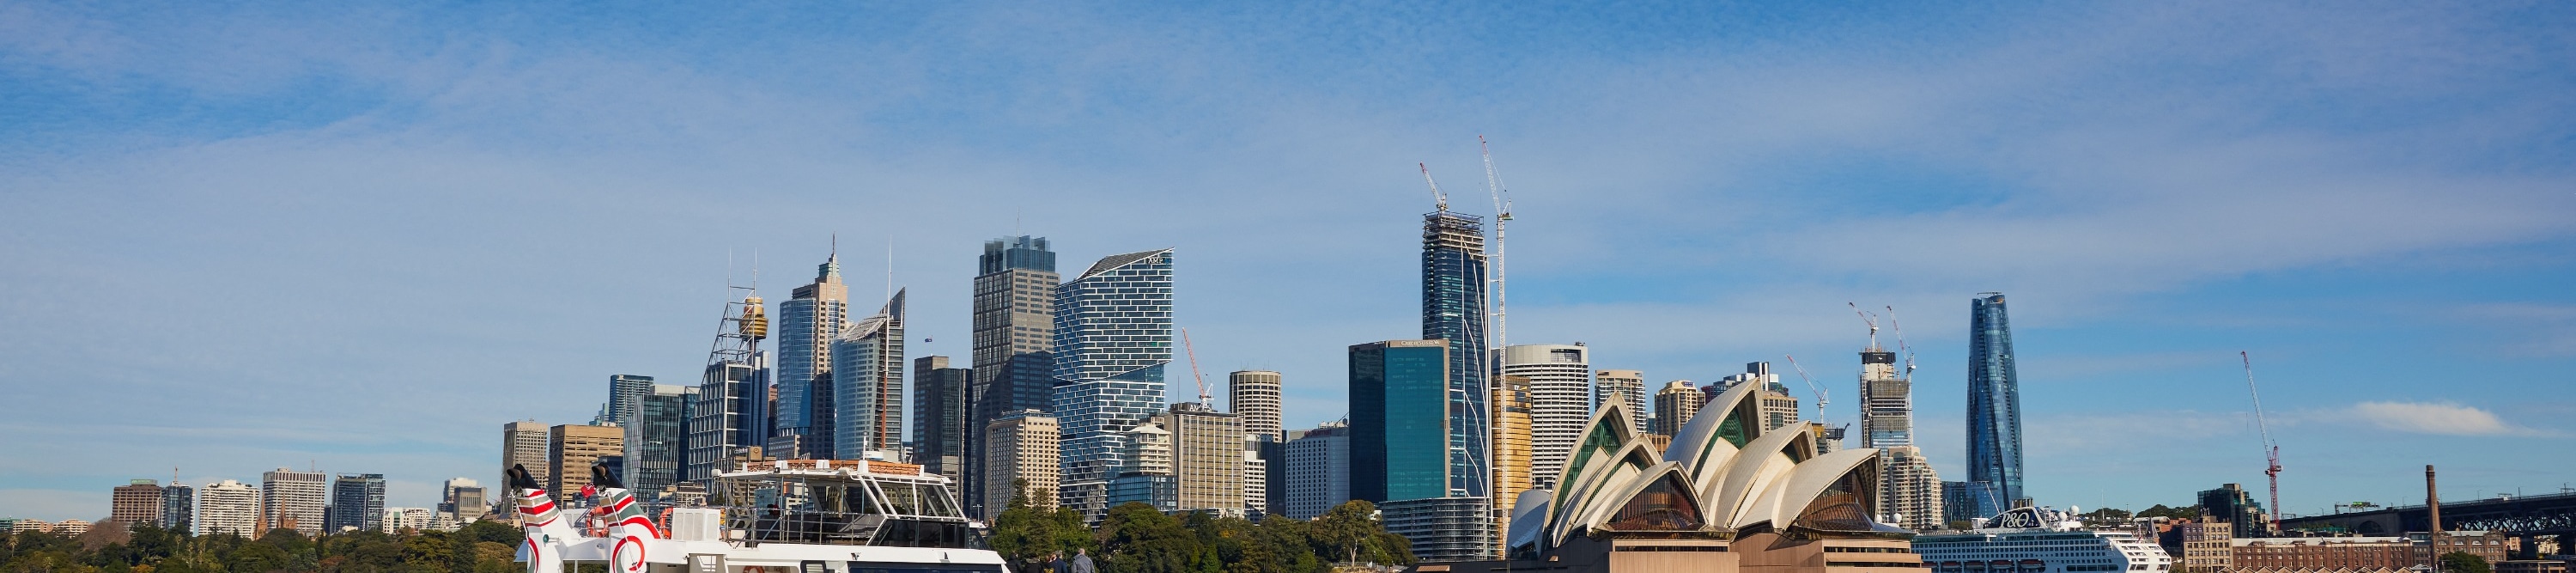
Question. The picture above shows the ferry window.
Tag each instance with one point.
(901, 499)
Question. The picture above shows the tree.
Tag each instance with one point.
(2464, 562)
(1138, 538)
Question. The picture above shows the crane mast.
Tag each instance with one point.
(2271, 449)
(1900, 341)
(1502, 215)
(1436, 195)
(1865, 318)
(1822, 397)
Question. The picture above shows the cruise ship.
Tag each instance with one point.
(2038, 540)
(788, 516)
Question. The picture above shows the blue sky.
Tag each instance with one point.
(363, 236)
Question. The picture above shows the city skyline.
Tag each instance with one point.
(2141, 251)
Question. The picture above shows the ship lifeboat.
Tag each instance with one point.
(1999, 566)
(2033, 566)
(1974, 567)
(1947, 567)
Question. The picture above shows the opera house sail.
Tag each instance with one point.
(1727, 495)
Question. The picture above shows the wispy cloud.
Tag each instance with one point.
(2437, 418)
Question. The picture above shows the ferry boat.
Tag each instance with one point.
(2039, 540)
(787, 516)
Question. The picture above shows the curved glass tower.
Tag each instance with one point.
(1453, 309)
(1994, 408)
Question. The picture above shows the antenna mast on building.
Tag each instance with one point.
(1502, 215)
(1204, 398)
(1436, 195)
(2271, 449)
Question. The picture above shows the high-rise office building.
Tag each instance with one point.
(1254, 395)
(807, 323)
(623, 391)
(1019, 459)
(1627, 387)
(1147, 475)
(730, 415)
(2232, 504)
(295, 500)
(1886, 401)
(1778, 408)
(229, 507)
(1994, 402)
(1910, 491)
(1401, 435)
(1014, 347)
(1674, 406)
(1511, 447)
(523, 443)
(570, 451)
(1453, 309)
(1322, 457)
(939, 416)
(1560, 378)
(1113, 338)
(357, 503)
(867, 385)
(178, 507)
(136, 502)
(1207, 457)
(657, 439)
(462, 498)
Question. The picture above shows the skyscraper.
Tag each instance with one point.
(657, 439)
(1560, 378)
(1207, 457)
(939, 416)
(807, 323)
(1401, 424)
(1323, 480)
(1623, 387)
(1020, 451)
(1146, 474)
(1994, 403)
(178, 507)
(523, 443)
(731, 410)
(623, 391)
(1014, 342)
(1909, 489)
(1453, 309)
(571, 449)
(1511, 447)
(1113, 337)
(294, 499)
(137, 502)
(229, 507)
(462, 498)
(1674, 406)
(357, 502)
(1254, 395)
(867, 384)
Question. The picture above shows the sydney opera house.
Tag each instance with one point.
(1726, 496)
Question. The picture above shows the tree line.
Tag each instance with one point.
(1137, 538)
(114, 547)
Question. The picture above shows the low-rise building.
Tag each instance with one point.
(2203, 546)
(2285, 554)
(71, 528)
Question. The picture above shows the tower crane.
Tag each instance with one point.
(1502, 215)
(1436, 195)
(1900, 342)
(1204, 399)
(2271, 449)
(1865, 318)
(1822, 397)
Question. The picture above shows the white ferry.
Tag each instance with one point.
(789, 516)
(2038, 540)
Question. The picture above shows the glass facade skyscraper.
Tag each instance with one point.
(867, 384)
(657, 438)
(1113, 337)
(1014, 343)
(1994, 405)
(1453, 309)
(807, 323)
(623, 390)
(939, 416)
(731, 411)
(357, 500)
(1401, 422)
